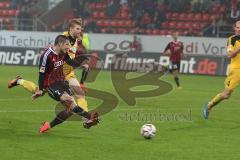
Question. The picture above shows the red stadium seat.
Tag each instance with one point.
(205, 17)
(172, 24)
(168, 15)
(182, 16)
(92, 5)
(195, 26)
(113, 23)
(102, 14)
(124, 14)
(198, 16)
(127, 23)
(100, 23)
(122, 30)
(148, 31)
(106, 23)
(6, 5)
(98, 6)
(86, 21)
(185, 33)
(163, 32)
(1, 5)
(202, 25)
(133, 31)
(103, 30)
(118, 15)
(187, 25)
(155, 32)
(133, 23)
(164, 25)
(215, 10)
(120, 23)
(180, 25)
(169, 32)
(213, 16)
(222, 9)
(180, 32)
(141, 31)
(4, 12)
(174, 16)
(95, 14)
(190, 17)
(7, 20)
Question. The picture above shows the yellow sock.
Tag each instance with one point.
(214, 101)
(28, 85)
(82, 103)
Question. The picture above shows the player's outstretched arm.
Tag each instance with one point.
(37, 94)
(76, 62)
(232, 53)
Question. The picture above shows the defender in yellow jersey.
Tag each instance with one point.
(233, 77)
(79, 43)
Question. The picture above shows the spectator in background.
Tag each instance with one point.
(212, 29)
(158, 18)
(222, 21)
(91, 26)
(191, 32)
(24, 20)
(136, 46)
(162, 5)
(175, 5)
(150, 7)
(123, 2)
(235, 13)
(112, 8)
(14, 4)
(145, 20)
(86, 10)
(64, 25)
(206, 5)
(195, 6)
(136, 8)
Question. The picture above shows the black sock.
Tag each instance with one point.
(84, 75)
(61, 117)
(78, 110)
(177, 81)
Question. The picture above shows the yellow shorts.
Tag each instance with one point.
(71, 75)
(68, 71)
(233, 79)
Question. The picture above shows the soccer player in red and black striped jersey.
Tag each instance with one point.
(174, 50)
(52, 79)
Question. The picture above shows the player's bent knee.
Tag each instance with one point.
(77, 90)
(226, 95)
(66, 99)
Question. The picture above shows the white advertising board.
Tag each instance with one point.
(111, 42)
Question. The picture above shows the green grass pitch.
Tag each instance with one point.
(116, 138)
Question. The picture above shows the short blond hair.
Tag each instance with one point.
(75, 21)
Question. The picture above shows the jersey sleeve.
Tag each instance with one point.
(167, 47)
(43, 67)
(86, 41)
(230, 44)
(182, 47)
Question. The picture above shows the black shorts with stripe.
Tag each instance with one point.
(174, 66)
(57, 89)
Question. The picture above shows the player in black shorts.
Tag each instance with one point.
(174, 50)
(52, 80)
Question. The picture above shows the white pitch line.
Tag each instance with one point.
(14, 99)
(26, 111)
(116, 110)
